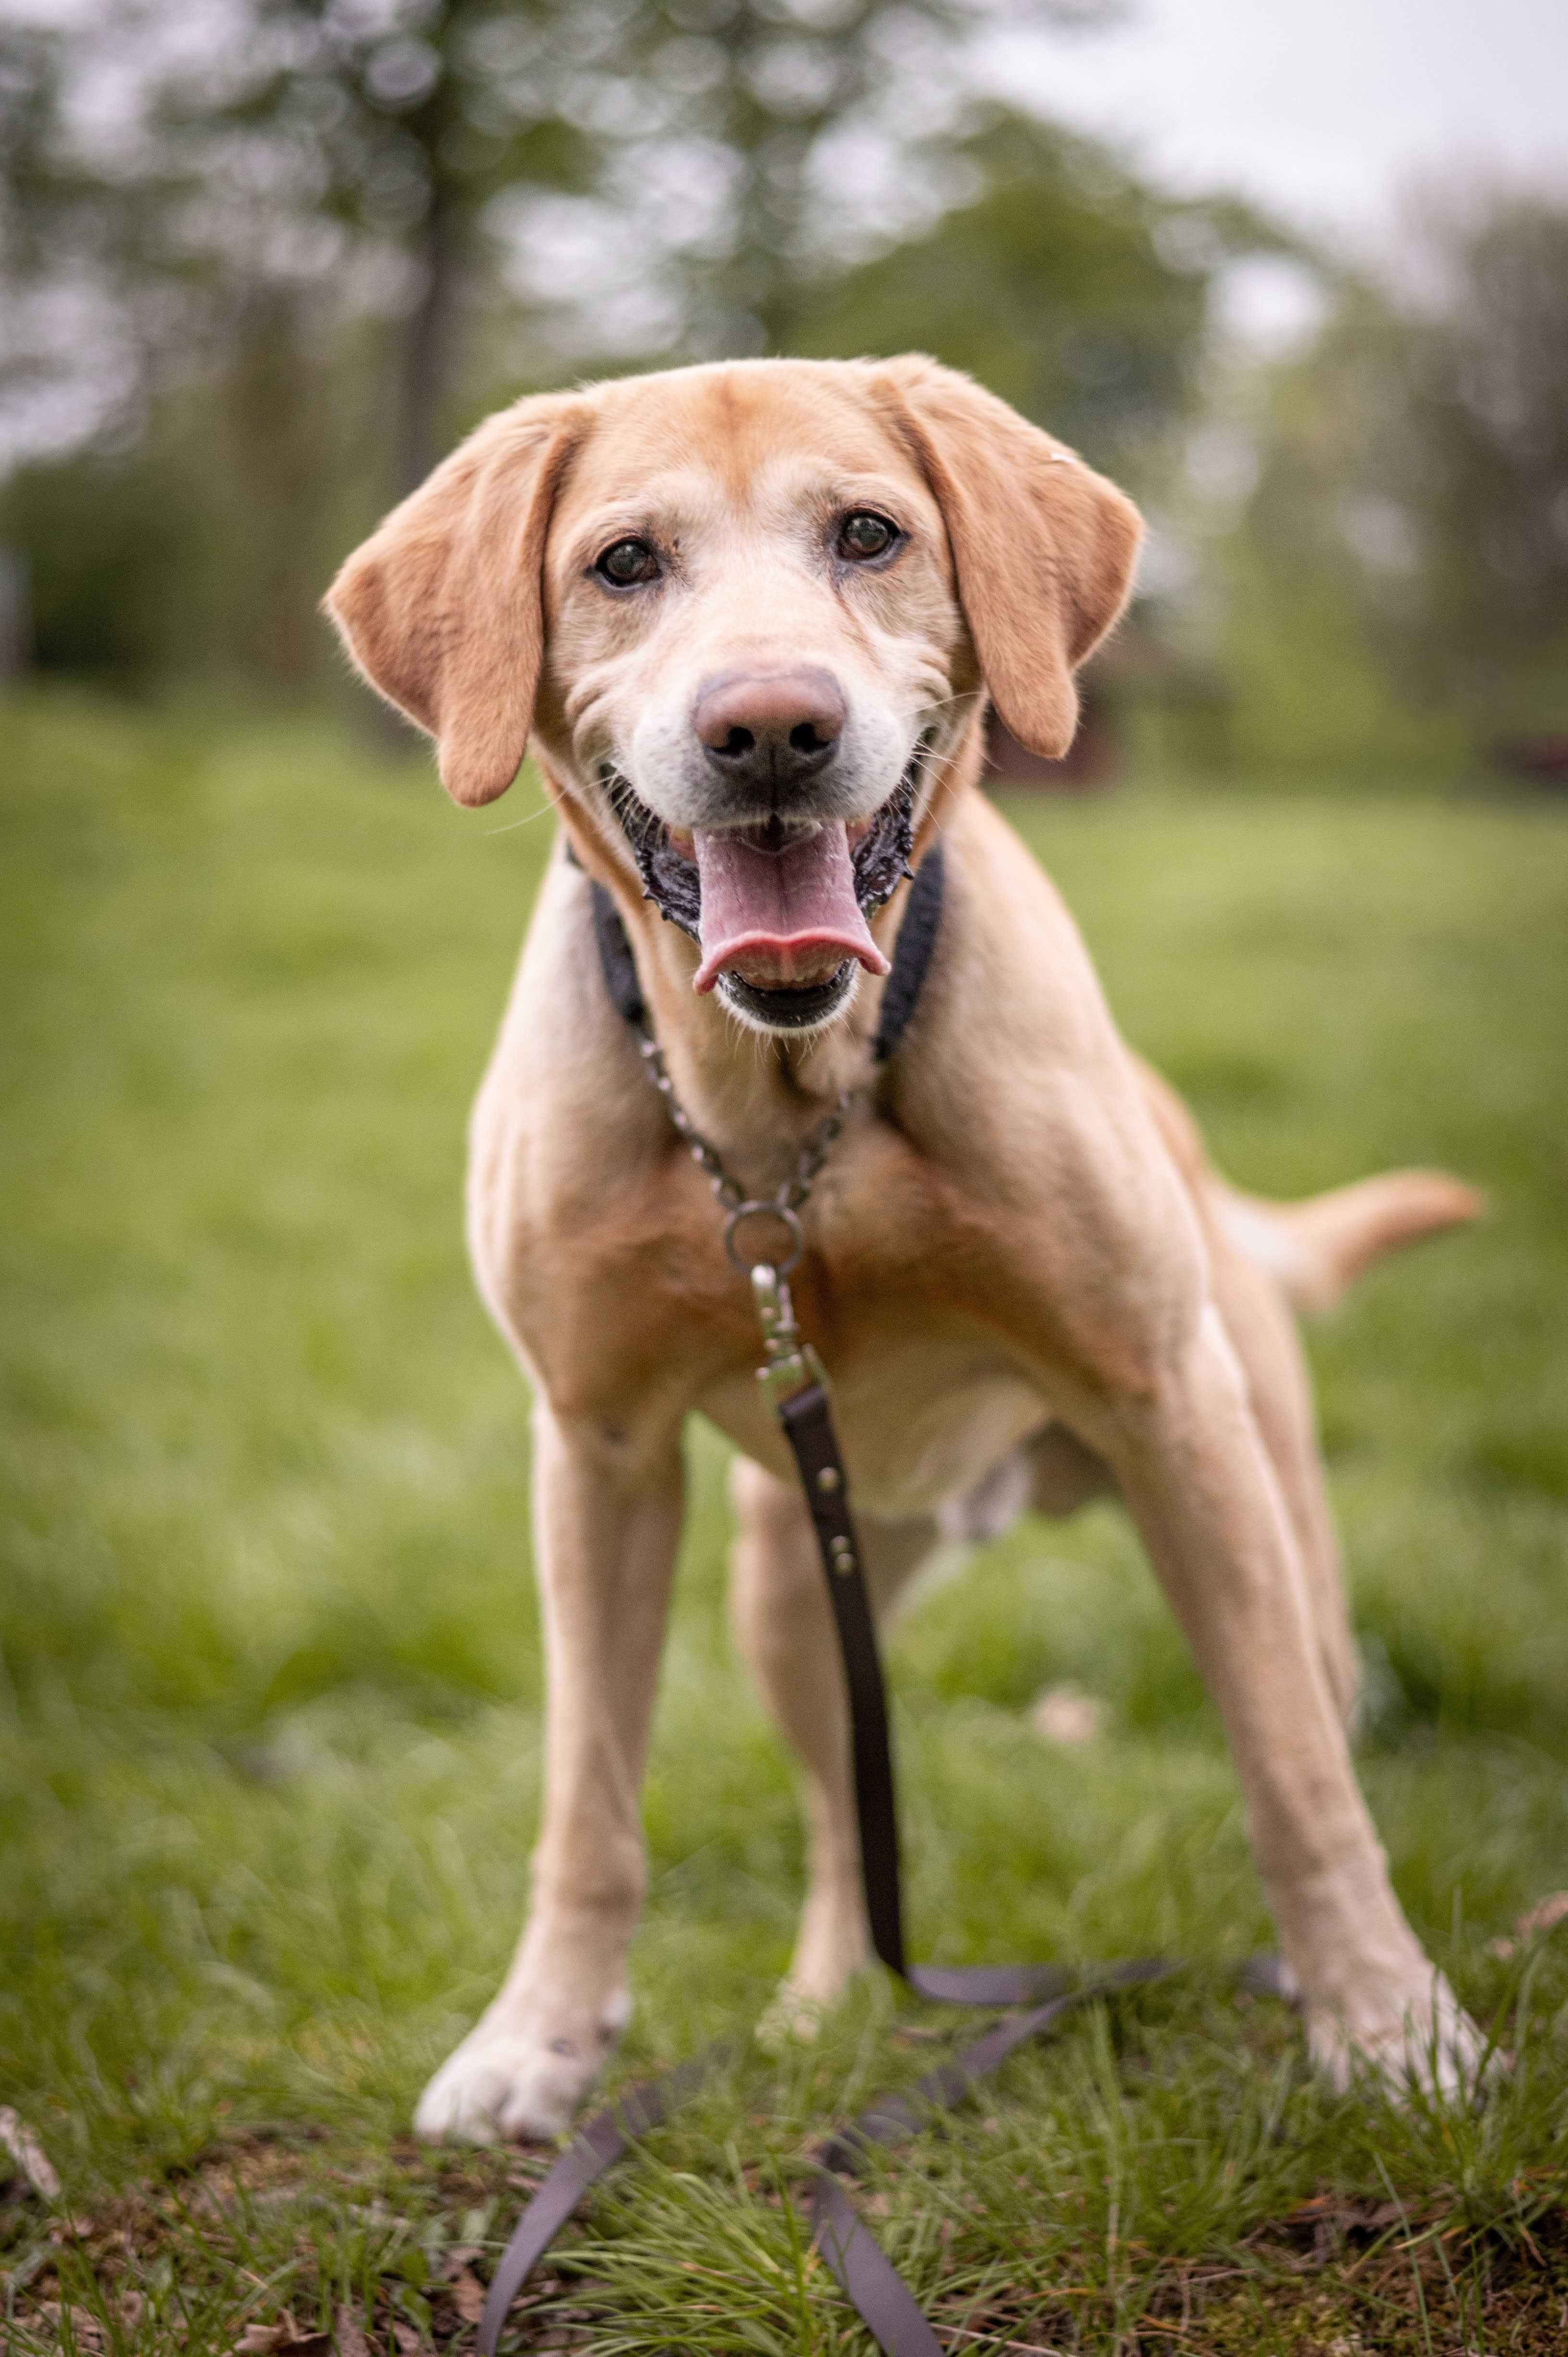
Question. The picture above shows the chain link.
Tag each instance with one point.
(788, 1201)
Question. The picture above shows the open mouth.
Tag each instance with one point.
(777, 908)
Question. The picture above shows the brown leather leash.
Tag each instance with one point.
(794, 1377)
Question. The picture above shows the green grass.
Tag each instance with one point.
(269, 1676)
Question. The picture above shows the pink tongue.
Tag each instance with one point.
(784, 917)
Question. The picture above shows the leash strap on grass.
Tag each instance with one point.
(870, 2281)
(596, 2147)
(880, 2297)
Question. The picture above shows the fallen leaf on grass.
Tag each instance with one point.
(29, 2154)
(1068, 1716)
(1543, 1916)
(72, 2230)
(263, 2339)
(469, 2294)
(1347, 2216)
(86, 2328)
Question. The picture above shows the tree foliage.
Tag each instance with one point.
(390, 155)
(1485, 453)
(1415, 465)
(1066, 284)
(356, 222)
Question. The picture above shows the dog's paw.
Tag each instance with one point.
(1410, 2037)
(791, 2017)
(517, 2076)
(831, 1954)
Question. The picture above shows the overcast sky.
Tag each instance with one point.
(1325, 109)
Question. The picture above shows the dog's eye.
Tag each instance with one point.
(863, 534)
(626, 562)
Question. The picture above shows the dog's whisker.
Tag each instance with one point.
(530, 818)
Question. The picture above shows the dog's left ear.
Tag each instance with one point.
(441, 609)
(1043, 546)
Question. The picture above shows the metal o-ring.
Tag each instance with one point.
(787, 1219)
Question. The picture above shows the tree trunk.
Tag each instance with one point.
(275, 411)
(429, 342)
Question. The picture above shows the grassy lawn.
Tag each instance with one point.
(269, 1675)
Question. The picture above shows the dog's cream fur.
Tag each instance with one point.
(1023, 1275)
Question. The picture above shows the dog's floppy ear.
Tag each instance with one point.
(441, 609)
(1044, 547)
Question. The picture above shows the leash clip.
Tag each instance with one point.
(791, 1365)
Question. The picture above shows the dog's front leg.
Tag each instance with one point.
(607, 1508)
(1198, 1477)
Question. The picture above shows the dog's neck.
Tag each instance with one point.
(752, 1095)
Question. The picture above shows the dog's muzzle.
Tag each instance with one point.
(778, 906)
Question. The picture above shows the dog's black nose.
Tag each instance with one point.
(769, 729)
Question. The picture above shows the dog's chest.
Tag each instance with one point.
(920, 1421)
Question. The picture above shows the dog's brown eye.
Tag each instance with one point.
(863, 534)
(628, 561)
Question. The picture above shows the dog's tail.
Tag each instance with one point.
(1316, 1249)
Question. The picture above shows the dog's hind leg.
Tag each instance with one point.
(1066, 1475)
(784, 1628)
(1189, 1453)
(1250, 1246)
(608, 1508)
(1263, 1334)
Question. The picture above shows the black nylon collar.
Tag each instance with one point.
(911, 955)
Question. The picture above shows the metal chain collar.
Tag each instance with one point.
(785, 1205)
(789, 1365)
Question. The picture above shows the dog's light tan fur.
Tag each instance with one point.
(1018, 1257)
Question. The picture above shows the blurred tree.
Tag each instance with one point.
(1406, 547)
(341, 152)
(74, 268)
(304, 219)
(122, 578)
(1478, 450)
(360, 146)
(1066, 285)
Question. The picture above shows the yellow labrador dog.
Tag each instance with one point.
(749, 617)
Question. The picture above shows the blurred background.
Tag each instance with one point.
(270, 1672)
(1298, 278)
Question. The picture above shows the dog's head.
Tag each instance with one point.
(748, 612)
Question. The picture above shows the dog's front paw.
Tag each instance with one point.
(1411, 2034)
(519, 2074)
(788, 2017)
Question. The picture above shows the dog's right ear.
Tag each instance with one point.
(441, 609)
